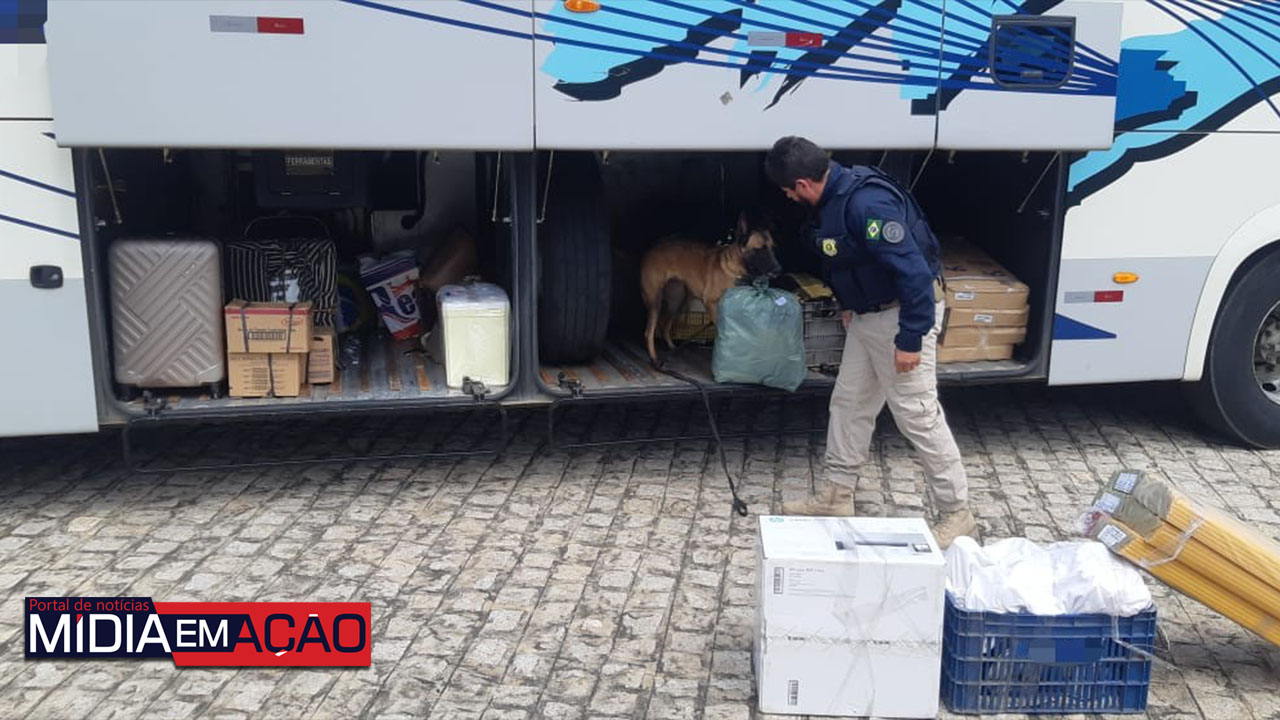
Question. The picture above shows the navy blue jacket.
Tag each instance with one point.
(876, 247)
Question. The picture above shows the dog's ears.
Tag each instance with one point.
(744, 227)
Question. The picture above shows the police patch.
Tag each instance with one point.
(894, 232)
(873, 229)
(829, 247)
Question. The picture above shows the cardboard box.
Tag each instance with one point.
(848, 617)
(265, 375)
(974, 354)
(320, 359)
(955, 337)
(986, 317)
(974, 280)
(268, 327)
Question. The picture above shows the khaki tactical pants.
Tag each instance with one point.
(867, 380)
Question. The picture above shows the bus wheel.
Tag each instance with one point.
(1239, 393)
(574, 263)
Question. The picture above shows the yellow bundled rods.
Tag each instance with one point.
(1196, 550)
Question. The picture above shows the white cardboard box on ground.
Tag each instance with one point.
(848, 617)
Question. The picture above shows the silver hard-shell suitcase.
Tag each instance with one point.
(166, 312)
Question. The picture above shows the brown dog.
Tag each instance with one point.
(676, 267)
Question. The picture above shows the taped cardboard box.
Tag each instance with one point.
(984, 317)
(848, 617)
(320, 359)
(974, 280)
(974, 354)
(266, 374)
(982, 336)
(268, 327)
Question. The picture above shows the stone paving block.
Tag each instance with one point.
(531, 667)
(174, 709)
(68, 705)
(247, 690)
(566, 684)
(406, 695)
(662, 707)
(560, 711)
(504, 714)
(730, 711)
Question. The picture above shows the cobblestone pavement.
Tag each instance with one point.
(604, 582)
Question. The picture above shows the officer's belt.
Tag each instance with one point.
(938, 294)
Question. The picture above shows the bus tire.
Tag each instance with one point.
(574, 260)
(1235, 396)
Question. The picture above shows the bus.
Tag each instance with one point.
(1111, 154)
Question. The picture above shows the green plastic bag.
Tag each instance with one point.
(759, 338)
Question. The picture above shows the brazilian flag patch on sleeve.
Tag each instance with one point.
(873, 228)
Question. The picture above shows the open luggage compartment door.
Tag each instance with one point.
(46, 366)
(1031, 81)
(343, 74)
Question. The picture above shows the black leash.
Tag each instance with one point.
(739, 506)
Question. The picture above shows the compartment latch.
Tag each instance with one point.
(573, 385)
(153, 404)
(476, 389)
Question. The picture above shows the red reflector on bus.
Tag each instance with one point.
(1108, 296)
(280, 26)
(804, 39)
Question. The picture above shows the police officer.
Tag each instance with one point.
(881, 259)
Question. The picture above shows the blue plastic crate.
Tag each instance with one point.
(1018, 662)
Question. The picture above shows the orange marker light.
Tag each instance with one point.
(581, 6)
(1125, 278)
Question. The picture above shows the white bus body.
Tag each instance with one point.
(1162, 115)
